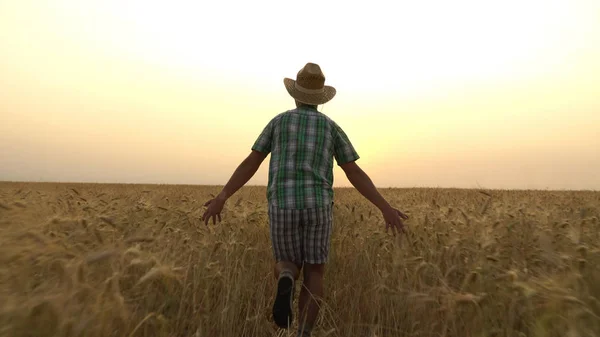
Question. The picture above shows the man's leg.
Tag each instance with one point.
(310, 295)
(286, 273)
(287, 266)
(287, 240)
(318, 225)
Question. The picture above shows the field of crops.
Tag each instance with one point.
(135, 260)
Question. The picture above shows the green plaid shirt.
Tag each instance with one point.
(303, 143)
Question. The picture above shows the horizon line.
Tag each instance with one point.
(264, 186)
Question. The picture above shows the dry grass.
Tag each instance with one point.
(133, 260)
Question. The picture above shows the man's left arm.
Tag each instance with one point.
(260, 149)
(242, 174)
(240, 177)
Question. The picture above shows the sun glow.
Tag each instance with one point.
(194, 83)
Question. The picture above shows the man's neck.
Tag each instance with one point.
(306, 106)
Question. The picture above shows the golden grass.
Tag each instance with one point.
(135, 260)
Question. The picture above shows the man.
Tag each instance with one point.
(303, 143)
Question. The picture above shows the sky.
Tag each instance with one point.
(469, 94)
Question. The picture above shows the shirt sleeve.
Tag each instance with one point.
(343, 150)
(264, 141)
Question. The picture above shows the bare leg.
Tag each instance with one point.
(286, 273)
(311, 293)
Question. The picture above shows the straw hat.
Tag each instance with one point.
(309, 86)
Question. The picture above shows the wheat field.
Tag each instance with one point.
(135, 260)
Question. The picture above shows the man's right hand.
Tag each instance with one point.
(361, 181)
(393, 219)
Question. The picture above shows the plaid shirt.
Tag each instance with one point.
(303, 143)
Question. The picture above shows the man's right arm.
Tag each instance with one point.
(346, 157)
(361, 181)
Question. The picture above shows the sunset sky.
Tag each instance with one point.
(493, 94)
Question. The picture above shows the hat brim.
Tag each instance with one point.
(312, 99)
